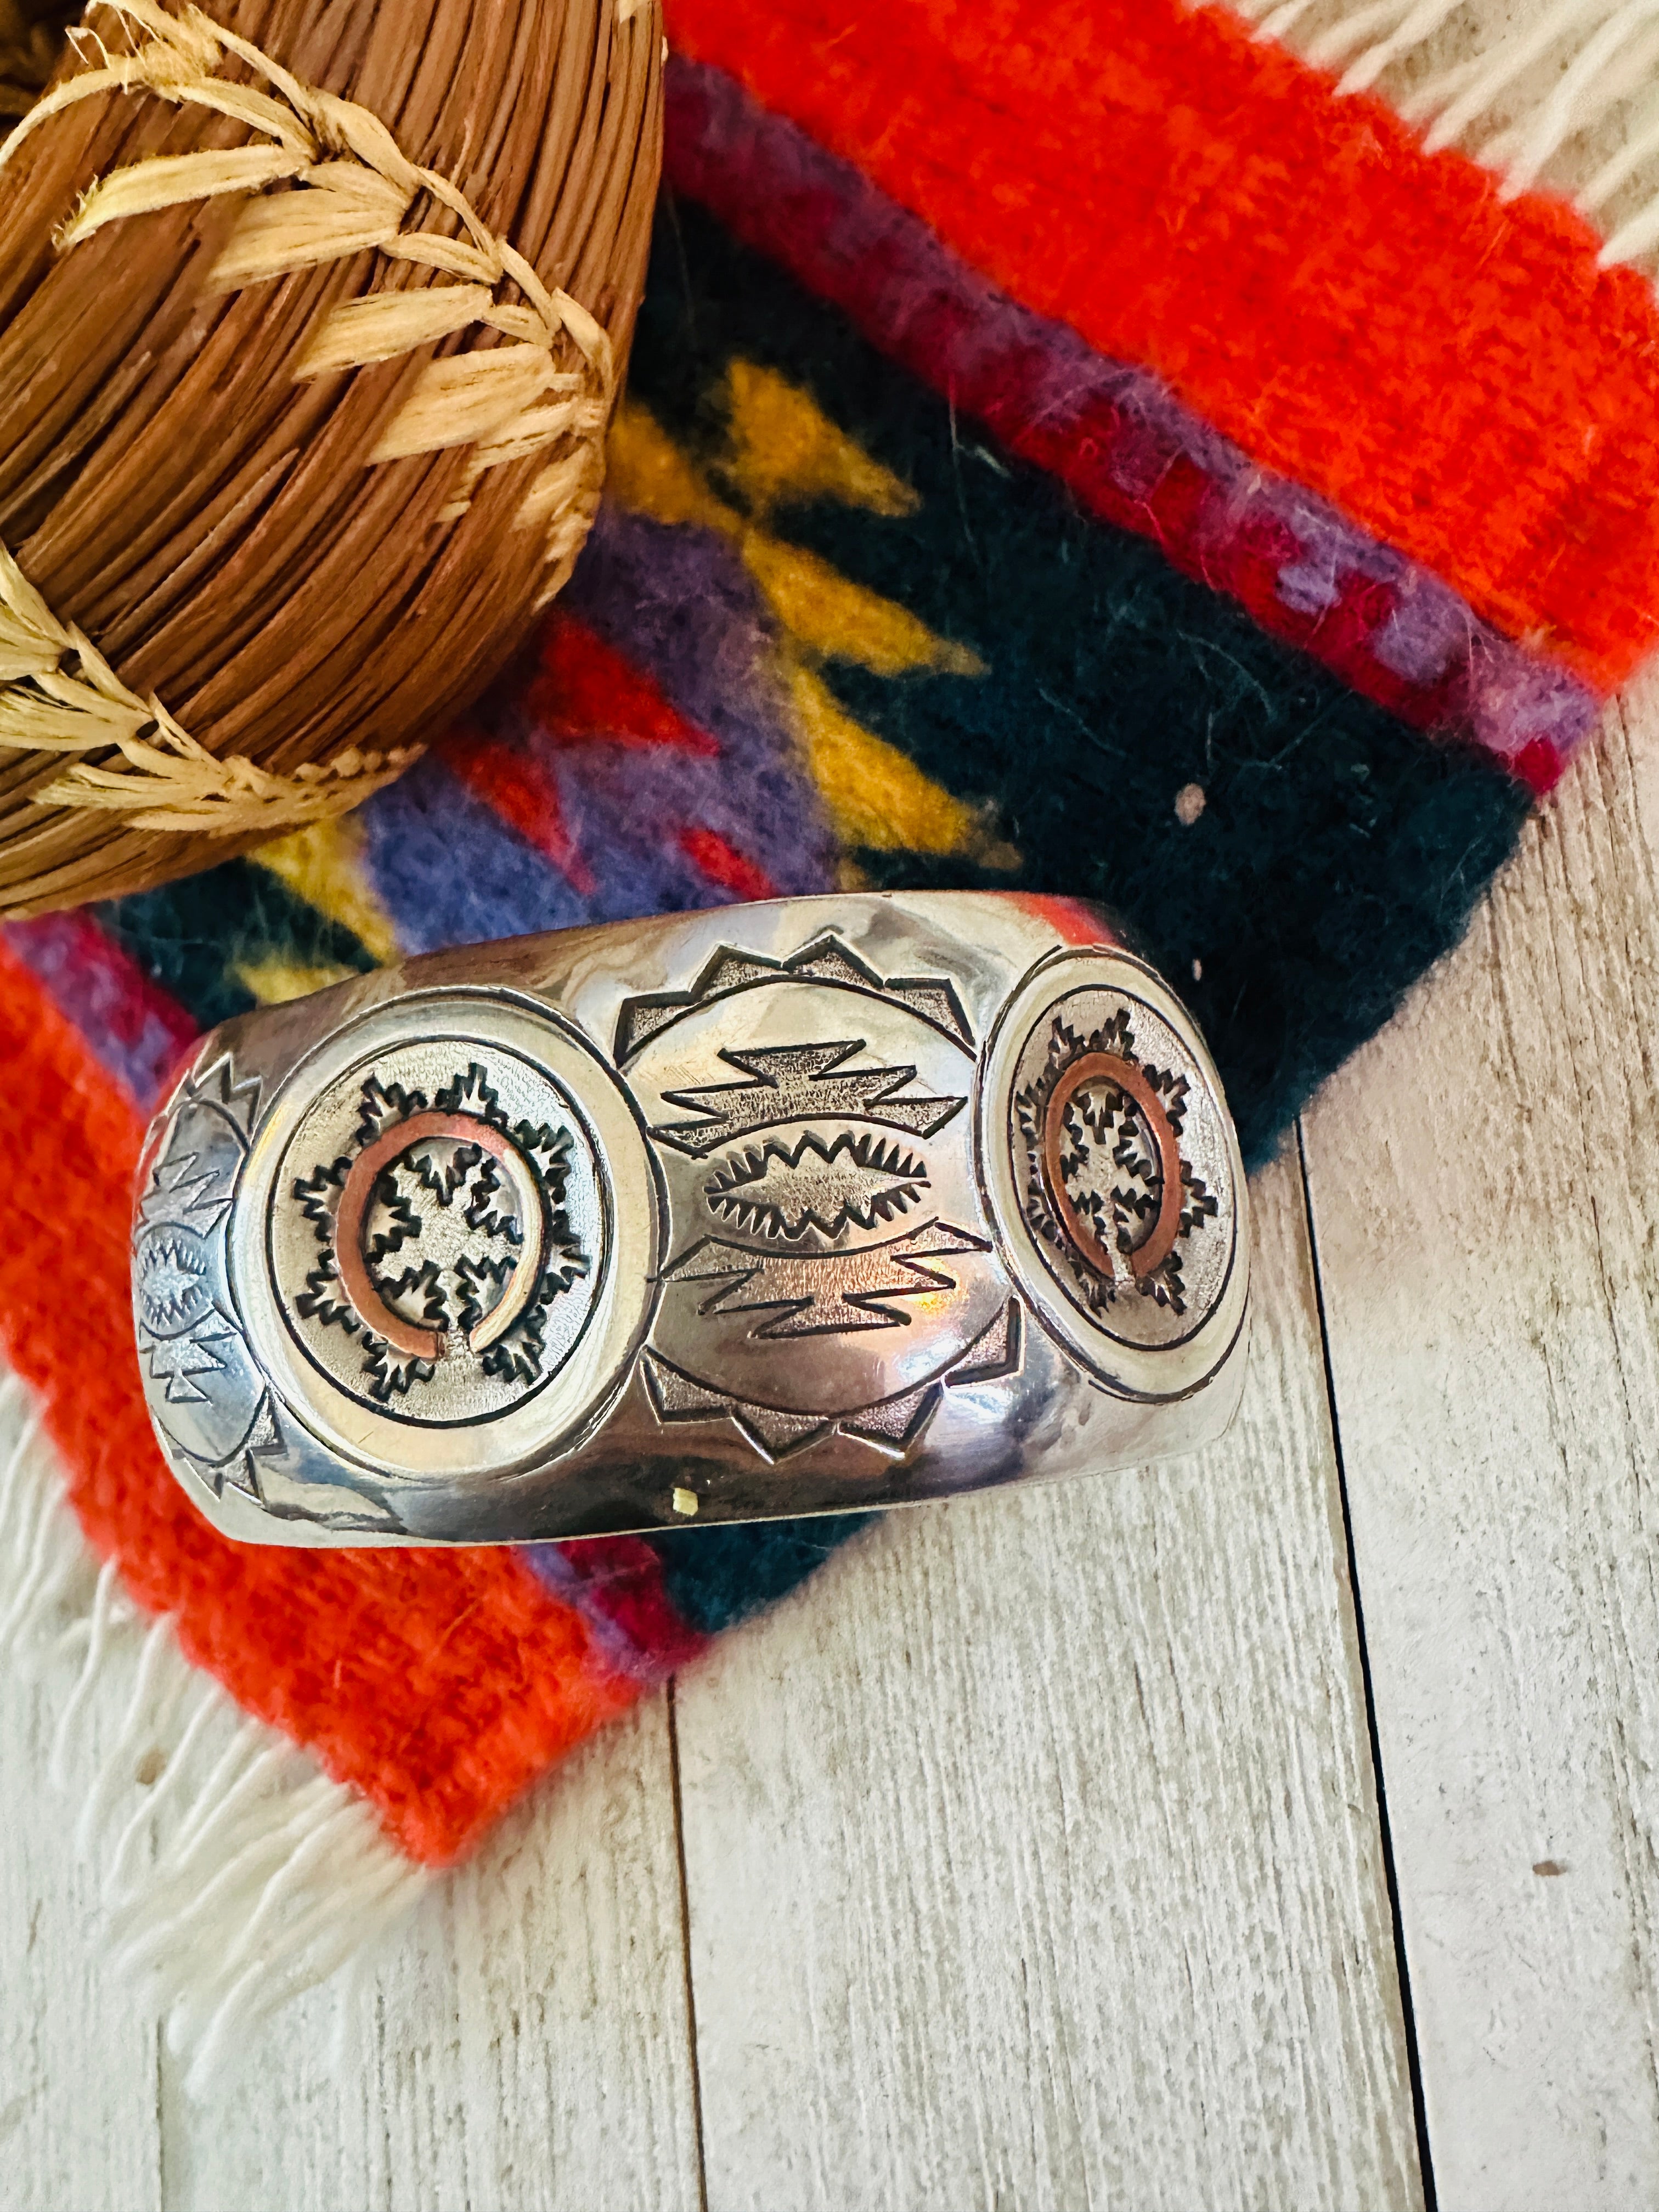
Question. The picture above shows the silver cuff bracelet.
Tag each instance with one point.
(801, 1207)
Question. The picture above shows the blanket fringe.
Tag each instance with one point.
(235, 1875)
(1567, 98)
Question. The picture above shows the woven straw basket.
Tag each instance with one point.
(313, 314)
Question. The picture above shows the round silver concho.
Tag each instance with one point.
(450, 1236)
(1114, 1175)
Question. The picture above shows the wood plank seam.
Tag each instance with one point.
(1379, 1780)
(1034, 1845)
(685, 1943)
(1489, 1280)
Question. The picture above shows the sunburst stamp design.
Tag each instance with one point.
(452, 1235)
(829, 1269)
(172, 1283)
(810, 1192)
(209, 1399)
(1129, 1224)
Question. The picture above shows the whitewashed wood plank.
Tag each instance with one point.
(527, 2042)
(79, 2119)
(1031, 1851)
(1485, 1195)
(528, 2045)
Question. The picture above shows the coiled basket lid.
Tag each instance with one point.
(312, 313)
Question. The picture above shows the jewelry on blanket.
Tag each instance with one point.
(822, 1204)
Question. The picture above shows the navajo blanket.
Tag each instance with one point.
(1082, 448)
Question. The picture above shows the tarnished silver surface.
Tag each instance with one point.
(783, 1209)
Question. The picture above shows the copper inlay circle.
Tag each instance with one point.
(408, 1337)
(1126, 1076)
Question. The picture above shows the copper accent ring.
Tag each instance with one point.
(359, 1283)
(1155, 1248)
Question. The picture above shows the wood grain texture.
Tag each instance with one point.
(1484, 1182)
(79, 2123)
(526, 2044)
(1032, 1852)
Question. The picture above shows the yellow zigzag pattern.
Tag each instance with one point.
(323, 866)
(782, 446)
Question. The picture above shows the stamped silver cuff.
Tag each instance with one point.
(801, 1207)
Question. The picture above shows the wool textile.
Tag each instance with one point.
(1066, 449)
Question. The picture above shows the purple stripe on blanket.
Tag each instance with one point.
(678, 603)
(137, 1031)
(1050, 396)
(448, 870)
(617, 1583)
